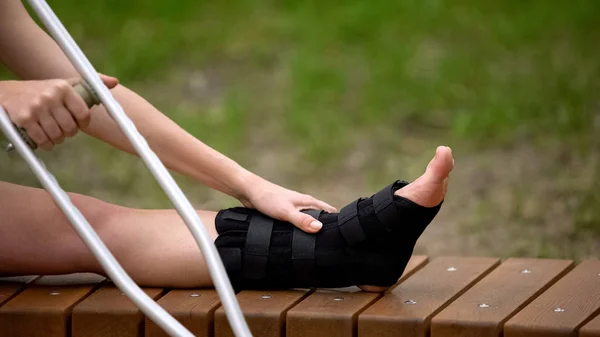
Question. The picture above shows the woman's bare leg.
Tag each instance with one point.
(154, 246)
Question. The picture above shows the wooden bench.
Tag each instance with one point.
(444, 296)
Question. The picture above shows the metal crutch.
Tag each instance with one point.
(158, 170)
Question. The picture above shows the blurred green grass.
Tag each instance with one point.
(321, 78)
(482, 71)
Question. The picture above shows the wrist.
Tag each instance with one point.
(244, 182)
(235, 180)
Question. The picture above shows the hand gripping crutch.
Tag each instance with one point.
(116, 273)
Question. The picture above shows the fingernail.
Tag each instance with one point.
(316, 225)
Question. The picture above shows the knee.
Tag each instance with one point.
(97, 212)
(100, 215)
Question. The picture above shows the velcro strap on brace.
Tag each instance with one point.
(232, 258)
(303, 251)
(315, 213)
(383, 203)
(231, 215)
(256, 250)
(349, 225)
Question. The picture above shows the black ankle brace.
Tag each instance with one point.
(368, 243)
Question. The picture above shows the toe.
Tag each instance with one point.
(445, 189)
(441, 165)
(430, 188)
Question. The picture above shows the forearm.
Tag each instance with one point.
(179, 150)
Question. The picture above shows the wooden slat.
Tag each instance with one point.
(11, 286)
(9, 289)
(591, 329)
(408, 308)
(328, 314)
(265, 312)
(483, 309)
(108, 312)
(415, 263)
(332, 313)
(193, 308)
(563, 308)
(44, 308)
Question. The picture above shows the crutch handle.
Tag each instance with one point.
(83, 89)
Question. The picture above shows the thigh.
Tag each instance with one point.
(35, 236)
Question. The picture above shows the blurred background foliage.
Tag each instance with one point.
(338, 98)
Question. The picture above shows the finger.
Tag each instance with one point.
(304, 221)
(324, 206)
(74, 80)
(65, 120)
(109, 81)
(51, 128)
(77, 108)
(313, 203)
(22, 116)
(35, 132)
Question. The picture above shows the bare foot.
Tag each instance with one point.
(428, 190)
